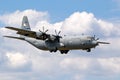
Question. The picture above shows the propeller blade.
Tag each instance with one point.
(44, 34)
(40, 30)
(43, 28)
(97, 39)
(103, 43)
(55, 32)
(59, 32)
(46, 30)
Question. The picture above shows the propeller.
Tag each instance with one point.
(95, 38)
(58, 35)
(43, 31)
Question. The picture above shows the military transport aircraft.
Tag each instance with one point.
(54, 42)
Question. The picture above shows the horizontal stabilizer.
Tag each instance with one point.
(14, 37)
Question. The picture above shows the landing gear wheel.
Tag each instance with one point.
(51, 50)
(88, 50)
(54, 50)
(64, 51)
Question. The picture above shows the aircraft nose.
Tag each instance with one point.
(94, 42)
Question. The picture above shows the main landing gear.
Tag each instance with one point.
(54, 50)
(64, 51)
(61, 51)
(88, 50)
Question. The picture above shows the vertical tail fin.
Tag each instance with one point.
(25, 23)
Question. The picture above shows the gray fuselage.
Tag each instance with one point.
(66, 43)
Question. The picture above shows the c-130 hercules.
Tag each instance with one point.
(53, 43)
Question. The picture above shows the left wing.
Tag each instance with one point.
(38, 35)
(28, 33)
(24, 32)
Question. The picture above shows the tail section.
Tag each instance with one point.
(25, 29)
(25, 24)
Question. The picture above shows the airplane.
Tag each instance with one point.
(54, 42)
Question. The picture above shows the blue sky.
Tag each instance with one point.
(21, 61)
(59, 10)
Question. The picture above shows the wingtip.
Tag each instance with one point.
(7, 27)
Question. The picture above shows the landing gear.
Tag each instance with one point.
(89, 50)
(64, 51)
(54, 50)
(61, 51)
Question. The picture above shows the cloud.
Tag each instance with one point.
(17, 59)
(110, 65)
(78, 22)
(83, 65)
(15, 18)
(73, 63)
(18, 56)
(87, 23)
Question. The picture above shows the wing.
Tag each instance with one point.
(24, 32)
(38, 35)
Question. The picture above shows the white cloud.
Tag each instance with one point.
(15, 18)
(78, 22)
(111, 50)
(83, 65)
(16, 59)
(75, 63)
(107, 27)
(84, 22)
(110, 65)
(43, 64)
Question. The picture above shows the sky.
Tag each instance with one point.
(21, 61)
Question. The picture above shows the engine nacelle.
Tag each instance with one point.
(52, 38)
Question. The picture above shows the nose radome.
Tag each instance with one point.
(95, 42)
